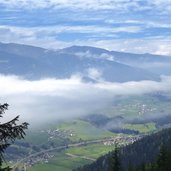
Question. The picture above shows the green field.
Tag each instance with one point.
(83, 130)
(36, 137)
(72, 157)
(142, 128)
(92, 151)
(48, 167)
(63, 161)
(132, 105)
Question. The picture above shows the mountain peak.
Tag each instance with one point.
(91, 49)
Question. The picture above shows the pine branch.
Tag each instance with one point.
(12, 131)
(9, 132)
(3, 108)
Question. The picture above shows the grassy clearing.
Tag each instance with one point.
(61, 162)
(48, 167)
(131, 106)
(84, 130)
(142, 128)
(92, 151)
(36, 137)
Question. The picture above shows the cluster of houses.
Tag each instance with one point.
(42, 158)
(58, 133)
(145, 109)
(122, 140)
(142, 108)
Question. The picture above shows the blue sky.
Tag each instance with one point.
(139, 26)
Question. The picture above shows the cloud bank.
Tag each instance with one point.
(53, 99)
(89, 4)
(134, 26)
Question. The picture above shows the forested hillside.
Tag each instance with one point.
(142, 153)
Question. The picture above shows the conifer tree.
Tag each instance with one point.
(164, 159)
(130, 167)
(115, 164)
(9, 132)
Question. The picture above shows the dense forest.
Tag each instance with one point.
(151, 153)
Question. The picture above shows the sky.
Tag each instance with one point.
(138, 26)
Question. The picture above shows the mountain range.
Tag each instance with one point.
(90, 63)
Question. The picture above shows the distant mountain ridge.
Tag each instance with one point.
(92, 64)
(155, 63)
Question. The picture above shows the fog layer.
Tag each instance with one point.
(49, 99)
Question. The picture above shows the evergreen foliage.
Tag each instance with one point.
(115, 163)
(163, 162)
(9, 132)
(164, 159)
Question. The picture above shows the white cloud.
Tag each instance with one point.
(161, 3)
(52, 30)
(153, 45)
(164, 49)
(88, 54)
(51, 99)
(160, 6)
(94, 73)
(45, 37)
(118, 5)
(80, 4)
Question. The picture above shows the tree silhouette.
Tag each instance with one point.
(115, 163)
(164, 159)
(9, 132)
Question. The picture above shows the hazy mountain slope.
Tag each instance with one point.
(155, 63)
(22, 50)
(33, 62)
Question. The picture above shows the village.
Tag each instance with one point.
(58, 133)
(44, 157)
(141, 108)
(122, 140)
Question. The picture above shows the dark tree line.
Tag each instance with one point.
(9, 132)
(115, 163)
(151, 153)
(162, 163)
